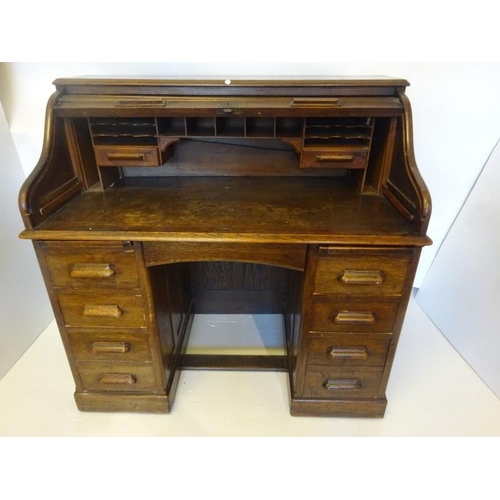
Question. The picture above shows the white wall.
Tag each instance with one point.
(455, 106)
(461, 291)
(24, 306)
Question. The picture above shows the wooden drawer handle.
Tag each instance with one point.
(91, 271)
(141, 102)
(110, 347)
(325, 158)
(354, 318)
(126, 156)
(358, 277)
(102, 310)
(342, 384)
(118, 378)
(348, 353)
(315, 101)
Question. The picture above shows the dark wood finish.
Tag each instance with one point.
(237, 288)
(89, 310)
(352, 349)
(349, 407)
(235, 209)
(364, 316)
(233, 362)
(126, 156)
(81, 151)
(334, 158)
(117, 377)
(103, 265)
(289, 256)
(157, 199)
(361, 271)
(348, 383)
(122, 402)
(99, 345)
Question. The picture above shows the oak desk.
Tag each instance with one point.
(158, 199)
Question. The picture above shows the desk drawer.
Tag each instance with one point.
(91, 266)
(342, 383)
(357, 272)
(102, 310)
(126, 156)
(354, 316)
(109, 346)
(118, 377)
(348, 349)
(351, 158)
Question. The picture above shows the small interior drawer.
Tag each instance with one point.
(342, 383)
(127, 156)
(347, 349)
(118, 345)
(358, 272)
(334, 157)
(102, 310)
(120, 377)
(354, 316)
(91, 266)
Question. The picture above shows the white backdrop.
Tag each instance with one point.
(461, 291)
(455, 106)
(24, 305)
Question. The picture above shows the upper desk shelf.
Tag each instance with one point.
(102, 132)
(323, 142)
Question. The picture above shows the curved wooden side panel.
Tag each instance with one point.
(405, 188)
(54, 180)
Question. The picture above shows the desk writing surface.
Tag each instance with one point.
(267, 209)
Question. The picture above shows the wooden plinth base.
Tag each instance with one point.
(363, 408)
(142, 403)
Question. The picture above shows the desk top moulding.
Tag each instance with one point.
(157, 199)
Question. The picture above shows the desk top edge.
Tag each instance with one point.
(265, 81)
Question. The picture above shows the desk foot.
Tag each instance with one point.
(106, 402)
(362, 408)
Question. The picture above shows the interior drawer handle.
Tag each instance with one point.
(102, 310)
(342, 384)
(118, 378)
(359, 277)
(354, 318)
(325, 158)
(91, 271)
(348, 353)
(110, 347)
(126, 156)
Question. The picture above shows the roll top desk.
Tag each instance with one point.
(156, 199)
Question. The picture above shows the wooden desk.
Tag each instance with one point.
(158, 199)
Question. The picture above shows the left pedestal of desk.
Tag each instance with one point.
(120, 348)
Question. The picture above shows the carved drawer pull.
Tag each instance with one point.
(110, 347)
(358, 277)
(91, 271)
(118, 378)
(126, 156)
(342, 384)
(102, 310)
(348, 353)
(325, 158)
(354, 318)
